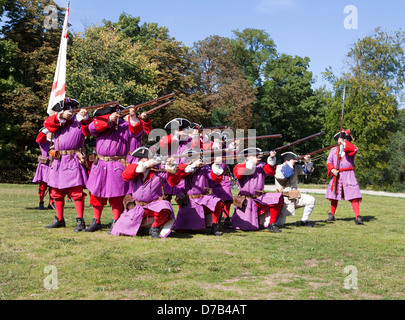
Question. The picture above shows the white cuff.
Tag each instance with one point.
(140, 168)
(205, 138)
(62, 121)
(80, 118)
(217, 169)
(190, 168)
(250, 165)
(272, 162)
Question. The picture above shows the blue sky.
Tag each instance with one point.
(307, 28)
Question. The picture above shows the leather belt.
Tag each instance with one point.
(70, 152)
(114, 158)
(142, 203)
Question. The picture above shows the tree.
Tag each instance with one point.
(223, 90)
(288, 105)
(253, 49)
(27, 48)
(104, 67)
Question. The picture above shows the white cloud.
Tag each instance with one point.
(270, 6)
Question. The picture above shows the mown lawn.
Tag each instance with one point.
(299, 264)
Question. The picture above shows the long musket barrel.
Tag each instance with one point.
(126, 110)
(335, 186)
(267, 153)
(98, 106)
(153, 110)
(318, 151)
(271, 136)
(154, 101)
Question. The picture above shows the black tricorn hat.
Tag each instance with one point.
(65, 104)
(289, 156)
(107, 110)
(142, 152)
(251, 150)
(345, 135)
(178, 123)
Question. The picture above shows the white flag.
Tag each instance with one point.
(59, 82)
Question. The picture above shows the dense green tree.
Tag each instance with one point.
(27, 47)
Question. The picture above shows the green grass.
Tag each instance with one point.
(299, 263)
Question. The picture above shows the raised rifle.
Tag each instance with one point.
(151, 111)
(336, 184)
(148, 103)
(98, 106)
(270, 136)
(318, 151)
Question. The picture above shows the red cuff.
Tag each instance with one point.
(130, 172)
(215, 178)
(147, 126)
(165, 142)
(270, 170)
(330, 167)
(239, 170)
(136, 129)
(350, 148)
(41, 138)
(52, 123)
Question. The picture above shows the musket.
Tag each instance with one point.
(336, 184)
(154, 101)
(215, 128)
(271, 136)
(318, 151)
(267, 153)
(153, 110)
(98, 106)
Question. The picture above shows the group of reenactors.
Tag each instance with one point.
(140, 182)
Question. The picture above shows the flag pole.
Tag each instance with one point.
(59, 83)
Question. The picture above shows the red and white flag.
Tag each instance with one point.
(59, 82)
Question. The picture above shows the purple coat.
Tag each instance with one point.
(67, 172)
(145, 191)
(105, 178)
(222, 190)
(247, 218)
(191, 216)
(348, 188)
(42, 171)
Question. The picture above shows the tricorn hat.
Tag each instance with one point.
(250, 151)
(345, 135)
(178, 123)
(65, 104)
(289, 156)
(142, 152)
(107, 110)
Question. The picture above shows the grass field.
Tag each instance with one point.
(321, 263)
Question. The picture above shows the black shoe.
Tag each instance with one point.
(94, 226)
(227, 223)
(305, 224)
(113, 221)
(81, 225)
(359, 221)
(154, 232)
(41, 206)
(214, 230)
(52, 206)
(273, 228)
(331, 217)
(57, 224)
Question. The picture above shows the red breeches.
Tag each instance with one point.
(77, 195)
(98, 204)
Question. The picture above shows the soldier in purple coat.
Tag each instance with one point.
(149, 208)
(255, 202)
(67, 174)
(198, 206)
(348, 188)
(42, 172)
(105, 182)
